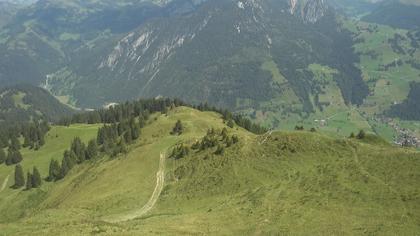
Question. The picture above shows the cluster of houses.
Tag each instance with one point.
(405, 136)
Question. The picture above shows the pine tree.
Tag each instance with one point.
(224, 134)
(2, 156)
(9, 158)
(361, 134)
(28, 181)
(15, 143)
(220, 150)
(135, 129)
(178, 129)
(101, 136)
(122, 146)
(19, 177)
(13, 157)
(65, 166)
(17, 157)
(228, 141)
(36, 178)
(235, 139)
(92, 149)
(230, 123)
(79, 149)
(54, 171)
(128, 136)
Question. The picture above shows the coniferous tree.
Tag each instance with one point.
(92, 149)
(14, 143)
(220, 150)
(36, 178)
(2, 156)
(134, 129)
(19, 177)
(122, 147)
(361, 134)
(54, 171)
(26, 140)
(224, 134)
(230, 123)
(228, 141)
(28, 181)
(66, 166)
(128, 136)
(13, 157)
(178, 129)
(79, 149)
(235, 139)
(101, 136)
(41, 140)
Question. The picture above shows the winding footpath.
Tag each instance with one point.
(160, 176)
(4, 185)
(266, 136)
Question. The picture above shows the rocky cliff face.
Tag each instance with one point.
(309, 10)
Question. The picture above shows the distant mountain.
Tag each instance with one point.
(279, 62)
(399, 14)
(47, 35)
(7, 11)
(216, 53)
(25, 103)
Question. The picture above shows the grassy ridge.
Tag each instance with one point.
(293, 183)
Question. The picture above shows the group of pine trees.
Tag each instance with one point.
(122, 125)
(360, 135)
(77, 154)
(123, 112)
(231, 119)
(144, 107)
(213, 139)
(33, 180)
(216, 139)
(114, 138)
(178, 129)
(33, 135)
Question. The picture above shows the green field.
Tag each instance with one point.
(378, 47)
(296, 183)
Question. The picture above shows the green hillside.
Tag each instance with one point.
(400, 14)
(295, 183)
(22, 103)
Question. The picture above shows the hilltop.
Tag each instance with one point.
(279, 182)
(23, 103)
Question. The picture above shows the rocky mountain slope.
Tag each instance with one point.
(279, 62)
(192, 52)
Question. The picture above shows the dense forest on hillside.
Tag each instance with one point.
(395, 14)
(410, 108)
(22, 103)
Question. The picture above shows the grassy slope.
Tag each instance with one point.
(58, 139)
(297, 183)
